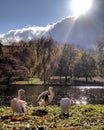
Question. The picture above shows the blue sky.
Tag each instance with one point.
(28, 19)
(17, 14)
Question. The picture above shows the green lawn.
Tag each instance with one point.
(55, 80)
(81, 117)
(97, 81)
(34, 80)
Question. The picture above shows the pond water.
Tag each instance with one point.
(80, 94)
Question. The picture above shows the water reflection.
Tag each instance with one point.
(83, 100)
(81, 95)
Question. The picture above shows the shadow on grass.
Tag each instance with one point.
(87, 83)
(76, 82)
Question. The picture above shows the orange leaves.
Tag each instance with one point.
(12, 129)
(17, 118)
(74, 128)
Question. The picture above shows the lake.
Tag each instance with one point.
(80, 94)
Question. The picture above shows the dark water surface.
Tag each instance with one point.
(80, 94)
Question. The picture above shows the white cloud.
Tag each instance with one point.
(26, 34)
(83, 32)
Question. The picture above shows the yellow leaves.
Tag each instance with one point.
(55, 125)
(41, 120)
(33, 124)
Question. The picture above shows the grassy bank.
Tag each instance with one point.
(81, 117)
(97, 81)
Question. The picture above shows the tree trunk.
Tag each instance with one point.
(66, 79)
(8, 79)
(86, 79)
(44, 79)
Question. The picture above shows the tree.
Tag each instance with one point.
(67, 59)
(47, 54)
(85, 66)
(1, 51)
(100, 47)
(9, 66)
(25, 52)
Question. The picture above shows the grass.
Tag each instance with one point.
(97, 81)
(81, 117)
(55, 80)
(34, 80)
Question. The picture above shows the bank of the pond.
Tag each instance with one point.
(81, 117)
(97, 81)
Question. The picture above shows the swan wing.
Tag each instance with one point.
(43, 95)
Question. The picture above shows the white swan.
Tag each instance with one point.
(17, 104)
(65, 104)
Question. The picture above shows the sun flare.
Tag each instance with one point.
(80, 6)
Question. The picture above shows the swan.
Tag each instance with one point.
(65, 104)
(17, 104)
(46, 97)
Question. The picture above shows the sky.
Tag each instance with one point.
(28, 19)
(17, 14)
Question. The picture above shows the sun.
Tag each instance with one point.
(80, 6)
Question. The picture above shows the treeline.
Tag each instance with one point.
(46, 58)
